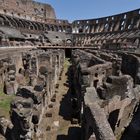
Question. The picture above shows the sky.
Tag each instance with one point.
(87, 9)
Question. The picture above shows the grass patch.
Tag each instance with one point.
(118, 137)
(5, 101)
(66, 63)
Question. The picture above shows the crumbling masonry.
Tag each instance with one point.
(105, 71)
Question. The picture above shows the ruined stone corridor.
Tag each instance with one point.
(62, 80)
(59, 124)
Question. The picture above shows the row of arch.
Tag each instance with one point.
(30, 25)
(108, 27)
(126, 21)
(101, 39)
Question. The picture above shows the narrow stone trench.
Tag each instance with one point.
(58, 125)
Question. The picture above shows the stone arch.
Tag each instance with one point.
(20, 25)
(39, 26)
(60, 28)
(13, 22)
(34, 26)
(4, 20)
(1, 21)
(51, 27)
(26, 24)
(56, 28)
(47, 27)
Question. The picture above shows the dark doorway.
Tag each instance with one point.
(113, 117)
(96, 83)
(90, 132)
(68, 52)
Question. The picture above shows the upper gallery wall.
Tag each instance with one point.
(124, 21)
(27, 9)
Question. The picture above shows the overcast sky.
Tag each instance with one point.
(85, 9)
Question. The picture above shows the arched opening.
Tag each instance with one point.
(113, 118)
(68, 52)
(96, 83)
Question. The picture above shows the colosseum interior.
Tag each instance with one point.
(68, 81)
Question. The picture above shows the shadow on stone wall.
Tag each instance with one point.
(74, 133)
(65, 105)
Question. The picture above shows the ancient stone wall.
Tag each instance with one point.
(27, 9)
(99, 83)
(114, 32)
(105, 90)
(130, 65)
(33, 82)
(15, 31)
